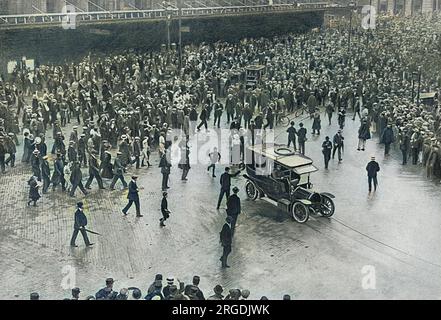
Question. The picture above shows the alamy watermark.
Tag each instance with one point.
(369, 278)
(369, 17)
(69, 21)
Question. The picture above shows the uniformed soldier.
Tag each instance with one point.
(79, 226)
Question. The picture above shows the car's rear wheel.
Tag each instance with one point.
(300, 212)
(251, 190)
(327, 206)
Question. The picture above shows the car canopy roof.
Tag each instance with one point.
(300, 163)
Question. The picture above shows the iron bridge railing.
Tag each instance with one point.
(171, 12)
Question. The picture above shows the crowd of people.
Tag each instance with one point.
(117, 110)
(170, 288)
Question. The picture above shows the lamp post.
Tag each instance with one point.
(168, 14)
(419, 86)
(414, 75)
(351, 6)
(180, 32)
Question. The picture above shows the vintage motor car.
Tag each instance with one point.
(282, 177)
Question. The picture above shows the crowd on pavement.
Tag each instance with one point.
(108, 115)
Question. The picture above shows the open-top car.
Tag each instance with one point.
(282, 177)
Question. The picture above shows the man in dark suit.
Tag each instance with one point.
(165, 165)
(203, 117)
(76, 178)
(338, 145)
(133, 197)
(137, 151)
(164, 209)
(226, 238)
(118, 172)
(79, 226)
(94, 171)
(45, 174)
(372, 168)
(225, 181)
(58, 175)
(301, 133)
(233, 208)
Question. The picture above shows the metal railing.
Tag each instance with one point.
(53, 18)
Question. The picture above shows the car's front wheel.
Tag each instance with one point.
(300, 212)
(251, 190)
(327, 206)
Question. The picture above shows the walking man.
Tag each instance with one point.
(79, 226)
(326, 150)
(226, 238)
(94, 171)
(118, 172)
(225, 181)
(372, 169)
(76, 178)
(215, 157)
(164, 209)
(338, 145)
(233, 208)
(133, 197)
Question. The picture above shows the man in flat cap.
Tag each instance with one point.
(133, 197)
(79, 226)
(118, 172)
(372, 169)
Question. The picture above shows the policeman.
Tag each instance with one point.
(79, 226)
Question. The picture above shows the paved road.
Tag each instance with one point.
(392, 235)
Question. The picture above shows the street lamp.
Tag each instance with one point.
(419, 86)
(351, 6)
(168, 13)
